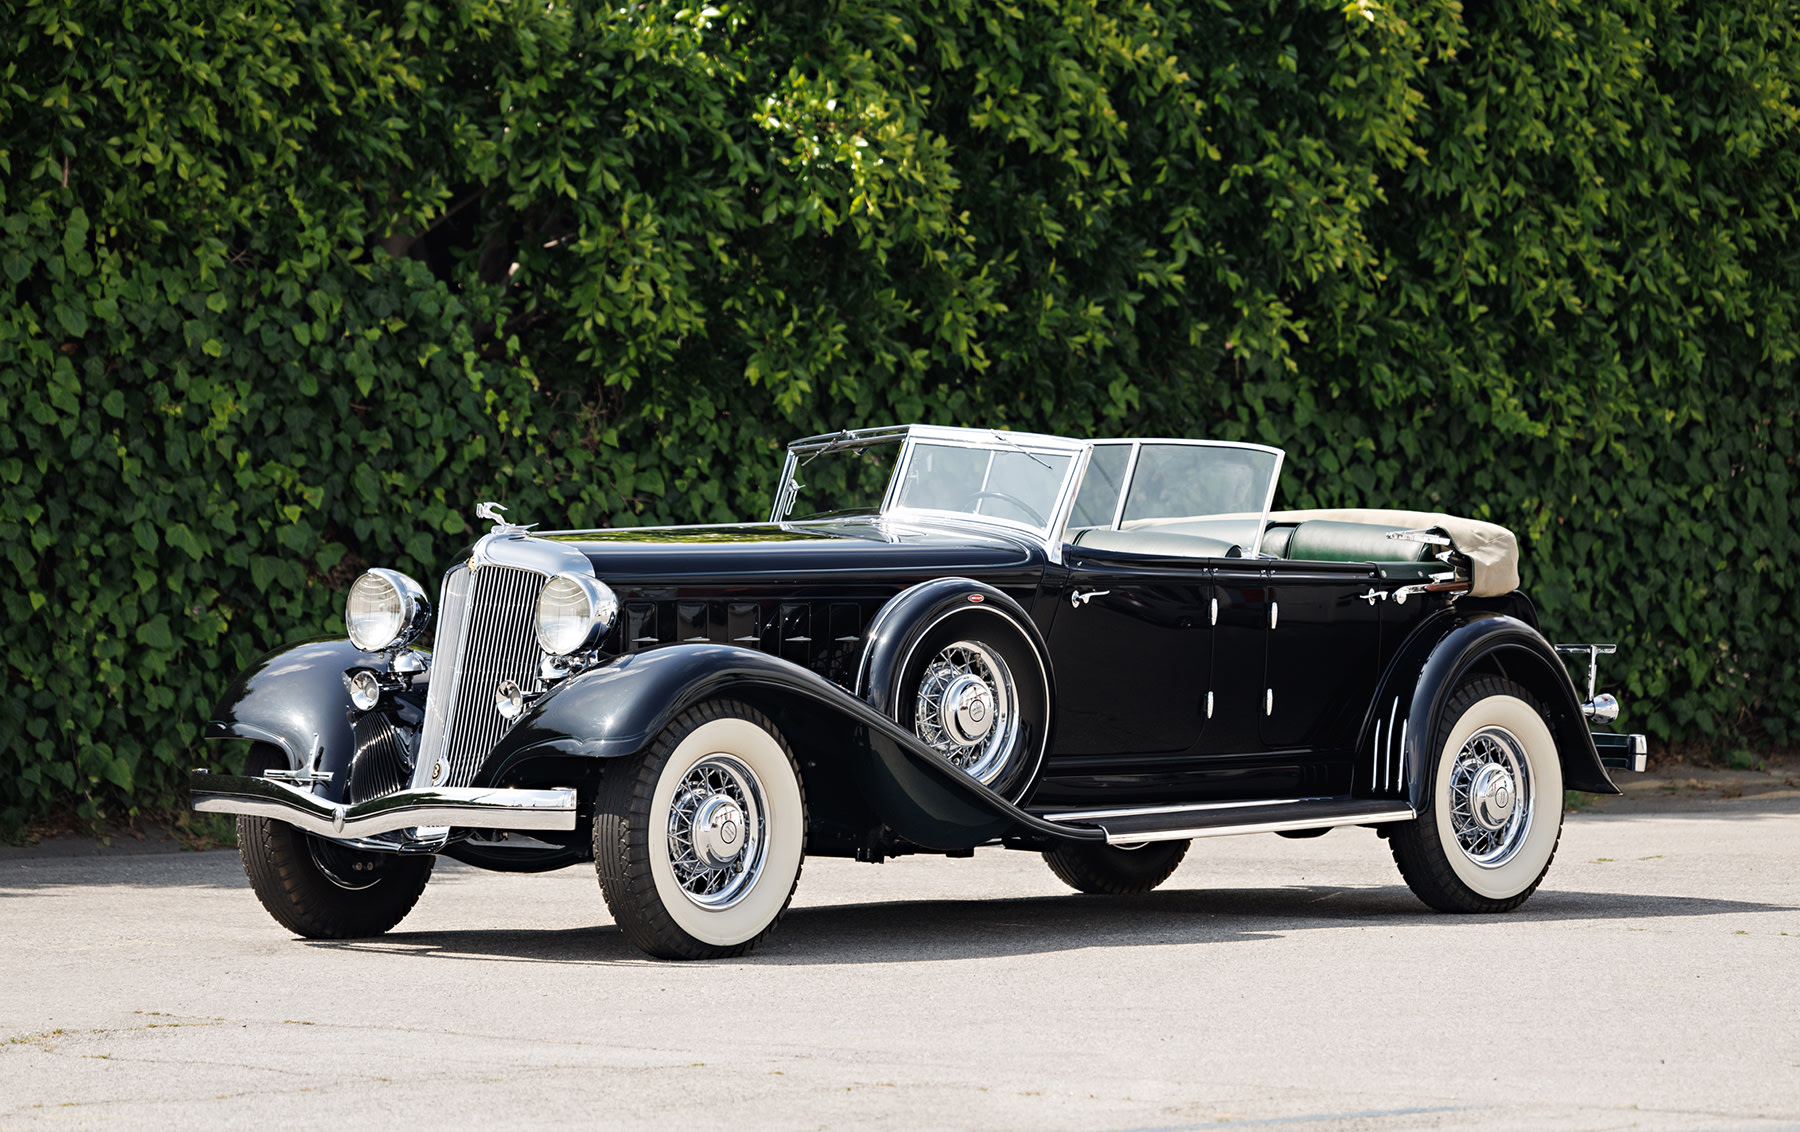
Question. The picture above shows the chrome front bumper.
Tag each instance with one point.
(467, 807)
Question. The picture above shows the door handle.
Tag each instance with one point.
(1079, 599)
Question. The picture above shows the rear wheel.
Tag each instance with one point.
(698, 841)
(1113, 869)
(1493, 813)
(323, 890)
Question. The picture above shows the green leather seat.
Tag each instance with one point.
(1154, 540)
(1276, 538)
(1321, 541)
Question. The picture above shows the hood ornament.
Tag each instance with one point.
(491, 511)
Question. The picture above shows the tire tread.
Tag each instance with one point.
(303, 900)
(1107, 870)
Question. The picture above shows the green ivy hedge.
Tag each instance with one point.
(291, 284)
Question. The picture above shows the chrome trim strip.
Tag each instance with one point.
(440, 697)
(1404, 814)
(1125, 485)
(1377, 774)
(1387, 761)
(466, 807)
(1186, 808)
(1400, 763)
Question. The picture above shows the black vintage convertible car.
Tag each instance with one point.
(942, 638)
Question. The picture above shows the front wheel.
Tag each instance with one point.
(1493, 813)
(698, 841)
(323, 890)
(1113, 869)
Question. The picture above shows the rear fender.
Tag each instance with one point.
(1400, 729)
(860, 767)
(294, 699)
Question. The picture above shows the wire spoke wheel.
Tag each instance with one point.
(1491, 798)
(716, 840)
(966, 708)
(973, 687)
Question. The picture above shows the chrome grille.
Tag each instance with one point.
(486, 637)
(381, 764)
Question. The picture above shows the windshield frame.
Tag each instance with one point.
(1137, 445)
(911, 437)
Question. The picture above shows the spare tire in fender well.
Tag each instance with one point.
(911, 615)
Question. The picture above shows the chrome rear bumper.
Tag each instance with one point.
(468, 807)
(1622, 752)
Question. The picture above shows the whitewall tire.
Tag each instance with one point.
(1494, 803)
(698, 841)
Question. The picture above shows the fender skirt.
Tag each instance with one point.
(1425, 673)
(619, 708)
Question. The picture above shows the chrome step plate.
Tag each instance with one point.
(1131, 826)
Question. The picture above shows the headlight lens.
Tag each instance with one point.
(573, 613)
(385, 609)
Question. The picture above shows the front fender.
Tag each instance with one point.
(1403, 721)
(619, 708)
(294, 699)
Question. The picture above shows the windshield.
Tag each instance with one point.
(847, 478)
(1010, 478)
(1219, 490)
(1019, 485)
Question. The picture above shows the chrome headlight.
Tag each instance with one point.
(385, 610)
(573, 613)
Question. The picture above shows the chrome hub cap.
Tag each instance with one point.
(1491, 796)
(716, 836)
(965, 708)
(718, 831)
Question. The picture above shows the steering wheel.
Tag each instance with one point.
(1003, 497)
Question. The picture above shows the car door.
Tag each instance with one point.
(1131, 643)
(1240, 648)
(1324, 654)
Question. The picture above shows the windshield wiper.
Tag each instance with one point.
(1009, 440)
(842, 440)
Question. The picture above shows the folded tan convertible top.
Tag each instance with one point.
(1492, 550)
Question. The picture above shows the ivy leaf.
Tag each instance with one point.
(155, 633)
(73, 319)
(180, 537)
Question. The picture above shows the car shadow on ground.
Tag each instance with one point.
(937, 930)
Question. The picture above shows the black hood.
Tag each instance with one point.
(856, 545)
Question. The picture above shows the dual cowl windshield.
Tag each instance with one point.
(1050, 486)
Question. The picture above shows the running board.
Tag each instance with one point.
(1220, 819)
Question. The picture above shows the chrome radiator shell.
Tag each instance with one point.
(486, 636)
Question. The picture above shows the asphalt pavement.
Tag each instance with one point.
(1653, 982)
